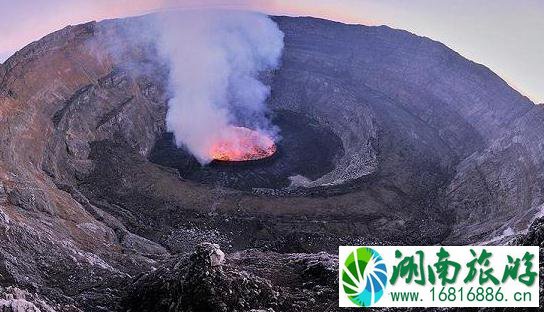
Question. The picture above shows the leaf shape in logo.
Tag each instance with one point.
(364, 276)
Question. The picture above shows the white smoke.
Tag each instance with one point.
(215, 57)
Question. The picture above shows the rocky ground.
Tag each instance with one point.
(421, 146)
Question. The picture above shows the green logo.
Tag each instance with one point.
(364, 276)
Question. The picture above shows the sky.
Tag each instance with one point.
(505, 35)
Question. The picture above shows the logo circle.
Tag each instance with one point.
(364, 276)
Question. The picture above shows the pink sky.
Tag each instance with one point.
(505, 35)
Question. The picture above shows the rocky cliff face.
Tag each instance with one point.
(420, 146)
(504, 181)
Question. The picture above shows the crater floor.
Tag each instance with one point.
(305, 148)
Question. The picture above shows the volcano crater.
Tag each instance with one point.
(404, 141)
(306, 151)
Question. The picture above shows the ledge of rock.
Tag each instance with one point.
(13, 299)
(209, 280)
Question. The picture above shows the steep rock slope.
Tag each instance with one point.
(500, 190)
(47, 235)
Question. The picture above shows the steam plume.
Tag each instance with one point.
(215, 57)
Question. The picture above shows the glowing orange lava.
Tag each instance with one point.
(242, 144)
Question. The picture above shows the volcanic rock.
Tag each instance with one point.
(249, 280)
(14, 299)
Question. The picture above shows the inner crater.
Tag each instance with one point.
(305, 149)
(242, 144)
